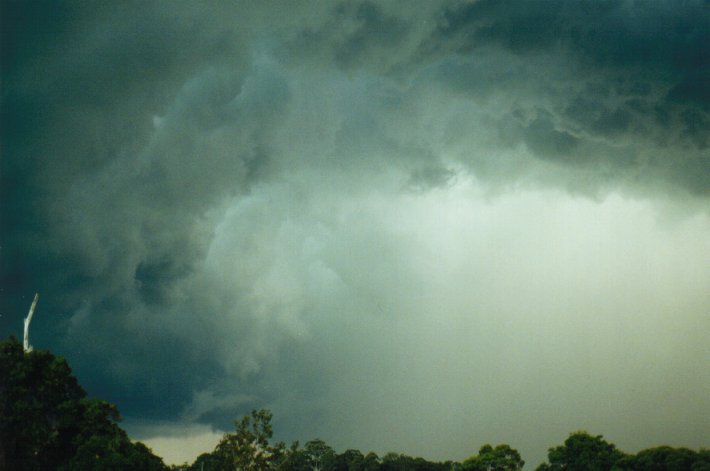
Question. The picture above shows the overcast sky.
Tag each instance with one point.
(401, 226)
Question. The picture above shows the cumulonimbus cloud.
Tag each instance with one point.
(223, 206)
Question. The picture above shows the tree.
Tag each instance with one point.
(349, 460)
(292, 459)
(400, 462)
(371, 462)
(38, 408)
(500, 458)
(665, 458)
(249, 448)
(582, 452)
(47, 422)
(395, 462)
(319, 456)
(205, 462)
(102, 445)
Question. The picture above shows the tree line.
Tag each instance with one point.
(47, 422)
(249, 448)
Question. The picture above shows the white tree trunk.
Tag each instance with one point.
(26, 340)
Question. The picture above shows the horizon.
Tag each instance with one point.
(193, 454)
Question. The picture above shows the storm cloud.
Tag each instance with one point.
(410, 226)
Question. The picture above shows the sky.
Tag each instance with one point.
(403, 226)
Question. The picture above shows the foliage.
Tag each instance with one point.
(500, 458)
(582, 452)
(319, 456)
(371, 462)
(399, 462)
(205, 462)
(349, 460)
(39, 401)
(665, 458)
(249, 448)
(47, 422)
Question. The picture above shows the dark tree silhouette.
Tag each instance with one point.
(47, 422)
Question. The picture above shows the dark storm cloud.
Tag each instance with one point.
(541, 136)
(426, 178)
(621, 78)
(631, 71)
(78, 97)
(217, 203)
(656, 36)
(122, 128)
(356, 35)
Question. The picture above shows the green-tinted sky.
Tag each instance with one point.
(402, 226)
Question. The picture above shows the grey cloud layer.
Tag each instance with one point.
(621, 86)
(198, 193)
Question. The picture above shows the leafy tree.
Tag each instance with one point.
(47, 422)
(249, 448)
(371, 462)
(400, 462)
(292, 459)
(352, 460)
(395, 462)
(703, 461)
(319, 456)
(204, 462)
(582, 452)
(102, 445)
(665, 458)
(38, 408)
(500, 458)
(349, 460)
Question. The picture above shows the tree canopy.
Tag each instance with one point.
(665, 458)
(48, 422)
(249, 448)
(500, 458)
(582, 452)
